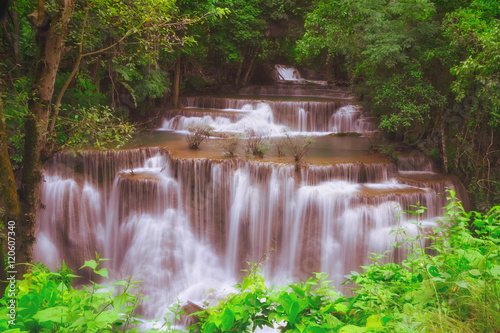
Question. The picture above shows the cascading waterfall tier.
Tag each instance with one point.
(184, 226)
(284, 112)
(270, 116)
(286, 73)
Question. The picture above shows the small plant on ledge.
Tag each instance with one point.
(257, 144)
(230, 146)
(197, 133)
(298, 145)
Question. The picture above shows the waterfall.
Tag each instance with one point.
(185, 226)
(286, 73)
(240, 113)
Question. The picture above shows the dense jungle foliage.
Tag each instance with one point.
(451, 285)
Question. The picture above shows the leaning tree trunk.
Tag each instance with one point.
(13, 37)
(177, 83)
(250, 67)
(329, 66)
(50, 41)
(443, 141)
(238, 74)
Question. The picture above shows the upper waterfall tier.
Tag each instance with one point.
(291, 75)
(269, 116)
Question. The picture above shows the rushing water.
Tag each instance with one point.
(184, 226)
(272, 117)
(286, 73)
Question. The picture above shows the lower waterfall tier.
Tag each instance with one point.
(185, 226)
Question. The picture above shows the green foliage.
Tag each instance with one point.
(15, 110)
(256, 144)
(230, 146)
(46, 302)
(153, 84)
(247, 34)
(84, 92)
(410, 98)
(93, 126)
(454, 289)
(310, 306)
(243, 28)
(474, 31)
(197, 83)
(389, 151)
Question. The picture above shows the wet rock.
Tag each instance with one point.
(187, 318)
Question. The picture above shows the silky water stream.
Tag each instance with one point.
(186, 222)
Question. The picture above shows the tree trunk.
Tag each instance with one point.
(177, 83)
(13, 37)
(250, 67)
(329, 68)
(238, 74)
(50, 41)
(443, 142)
(9, 193)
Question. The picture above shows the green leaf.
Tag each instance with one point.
(341, 308)
(102, 272)
(56, 314)
(90, 263)
(297, 290)
(433, 271)
(294, 311)
(352, 329)
(373, 321)
(120, 283)
(119, 301)
(315, 329)
(227, 320)
(495, 270)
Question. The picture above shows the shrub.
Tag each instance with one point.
(46, 302)
(256, 144)
(279, 144)
(298, 145)
(197, 133)
(230, 146)
(389, 151)
(298, 307)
